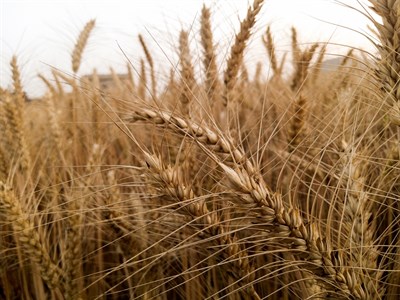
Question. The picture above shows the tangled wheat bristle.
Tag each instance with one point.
(294, 197)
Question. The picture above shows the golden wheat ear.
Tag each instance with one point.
(236, 56)
(81, 44)
(35, 249)
(268, 42)
(209, 58)
(188, 81)
(388, 63)
(149, 59)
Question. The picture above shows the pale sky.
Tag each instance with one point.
(43, 33)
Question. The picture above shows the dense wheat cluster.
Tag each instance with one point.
(218, 185)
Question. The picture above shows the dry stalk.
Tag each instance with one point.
(51, 88)
(60, 89)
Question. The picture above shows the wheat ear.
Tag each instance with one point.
(3, 165)
(142, 81)
(209, 57)
(149, 59)
(286, 222)
(389, 48)
(236, 57)
(16, 78)
(301, 66)
(170, 179)
(318, 64)
(29, 237)
(360, 230)
(130, 82)
(80, 45)
(268, 42)
(73, 252)
(15, 122)
(296, 126)
(187, 72)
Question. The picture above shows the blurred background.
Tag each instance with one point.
(43, 33)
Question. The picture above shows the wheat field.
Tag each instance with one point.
(219, 185)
